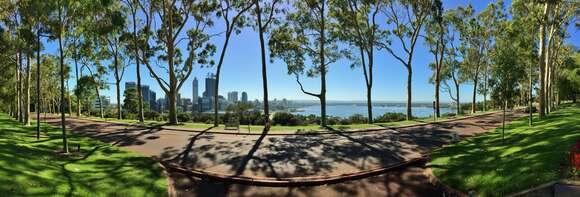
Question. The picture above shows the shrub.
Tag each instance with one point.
(287, 119)
(332, 120)
(391, 117)
(152, 115)
(449, 114)
(357, 119)
(130, 116)
(183, 117)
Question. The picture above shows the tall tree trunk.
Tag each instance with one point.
(37, 107)
(77, 79)
(172, 106)
(473, 101)
(217, 78)
(322, 68)
(542, 52)
(27, 107)
(117, 87)
(458, 101)
(264, 73)
(485, 75)
(530, 100)
(62, 104)
(409, 97)
(170, 61)
(138, 70)
(19, 87)
(68, 100)
(16, 88)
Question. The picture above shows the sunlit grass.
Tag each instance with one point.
(36, 168)
(529, 156)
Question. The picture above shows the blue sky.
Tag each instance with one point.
(241, 71)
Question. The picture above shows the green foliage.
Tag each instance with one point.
(184, 117)
(32, 167)
(286, 119)
(131, 102)
(391, 117)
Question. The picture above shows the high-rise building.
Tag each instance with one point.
(244, 97)
(233, 97)
(106, 102)
(145, 93)
(152, 100)
(210, 82)
(195, 89)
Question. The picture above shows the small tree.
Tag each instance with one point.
(506, 72)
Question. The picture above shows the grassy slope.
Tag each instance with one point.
(34, 168)
(530, 156)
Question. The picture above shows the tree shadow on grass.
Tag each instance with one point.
(528, 157)
(35, 168)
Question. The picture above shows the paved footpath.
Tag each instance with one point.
(292, 156)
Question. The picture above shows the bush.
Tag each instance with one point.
(183, 117)
(129, 116)
(152, 115)
(287, 119)
(357, 119)
(449, 114)
(391, 117)
(332, 120)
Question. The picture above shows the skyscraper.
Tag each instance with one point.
(145, 93)
(195, 89)
(244, 97)
(233, 96)
(210, 82)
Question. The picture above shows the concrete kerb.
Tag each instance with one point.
(317, 132)
(289, 182)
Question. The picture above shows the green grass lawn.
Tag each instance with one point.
(35, 168)
(530, 156)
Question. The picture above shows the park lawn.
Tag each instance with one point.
(36, 168)
(529, 157)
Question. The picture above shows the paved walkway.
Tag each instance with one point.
(291, 156)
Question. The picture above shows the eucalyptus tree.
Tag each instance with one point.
(489, 19)
(266, 15)
(526, 47)
(560, 16)
(232, 12)
(133, 6)
(110, 25)
(435, 34)
(39, 11)
(174, 15)
(90, 58)
(471, 46)
(358, 26)
(59, 21)
(307, 34)
(406, 17)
